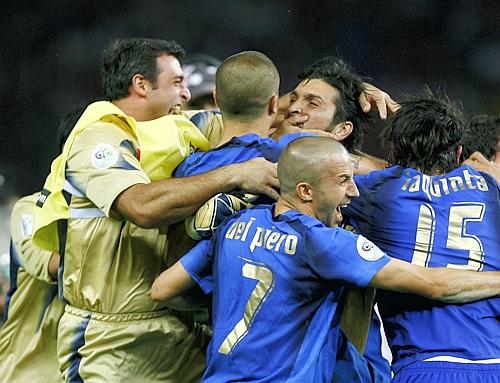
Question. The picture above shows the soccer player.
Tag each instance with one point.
(113, 240)
(482, 134)
(29, 336)
(246, 92)
(328, 98)
(429, 211)
(272, 267)
(347, 105)
(481, 144)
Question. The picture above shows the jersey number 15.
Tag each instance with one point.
(458, 238)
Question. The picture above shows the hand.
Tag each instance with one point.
(285, 126)
(258, 176)
(479, 162)
(293, 124)
(372, 96)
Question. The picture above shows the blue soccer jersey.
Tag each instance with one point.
(238, 149)
(440, 221)
(269, 276)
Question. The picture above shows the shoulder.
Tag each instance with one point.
(380, 177)
(25, 203)
(102, 131)
(209, 123)
(322, 238)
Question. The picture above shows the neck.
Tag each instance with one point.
(133, 108)
(234, 128)
(286, 203)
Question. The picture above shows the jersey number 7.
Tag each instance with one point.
(265, 284)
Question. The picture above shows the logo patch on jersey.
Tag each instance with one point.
(104, 156)
(27, 225)
(367, 249)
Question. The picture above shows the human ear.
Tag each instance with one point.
(273, 105)
(304, 191)
(139, 84)
(341, 131)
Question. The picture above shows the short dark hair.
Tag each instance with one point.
(124, 58)
(424, 133)
(482, 134)
(68, 122)
(244, 84)
(335, 72)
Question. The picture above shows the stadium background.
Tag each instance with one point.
(51, 56)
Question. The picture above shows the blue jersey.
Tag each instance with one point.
(236, 150)
(440, 221)
(269, 276)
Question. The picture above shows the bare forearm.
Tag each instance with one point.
(465, 286)
(443, 284)
(164, 202)
(171, 282)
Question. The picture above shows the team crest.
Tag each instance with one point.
(367, 249)
(104, 156)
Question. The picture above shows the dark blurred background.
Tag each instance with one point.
(50, 56)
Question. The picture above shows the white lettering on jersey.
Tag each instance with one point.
(444, 186)
(269, 239)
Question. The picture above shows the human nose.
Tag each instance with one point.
(185, 94)
(353, 191)
(295, 107)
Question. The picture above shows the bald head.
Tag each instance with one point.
(244, 84)
(305, 160)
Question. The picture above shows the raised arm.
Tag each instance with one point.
(439, 283)
(164, 202)
(374, 97)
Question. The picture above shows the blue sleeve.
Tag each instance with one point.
(187, 167)
(335, 254)
(181, 169)
(198, 264)
(287, 138)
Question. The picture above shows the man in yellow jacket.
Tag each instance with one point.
(108, 219)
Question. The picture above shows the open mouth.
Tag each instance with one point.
(338, 213)
(176, 109)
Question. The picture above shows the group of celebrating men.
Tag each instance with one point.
(103, 274)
